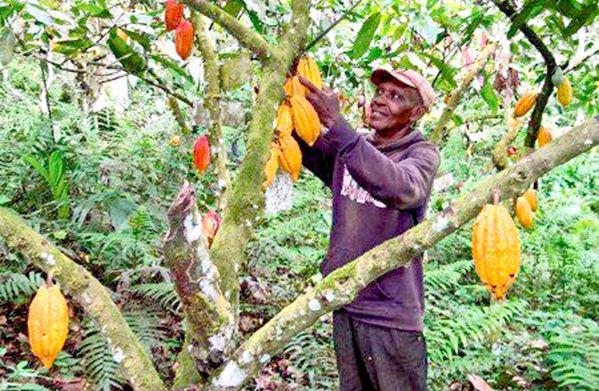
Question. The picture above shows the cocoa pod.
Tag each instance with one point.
(284, 119)
(305, 119)
(544, 137)
(184, 39)
(175, 141)
(210, 224)
(564, 92)
(201, 154)
(173, 15)
(308, 68)
(496, 249)
(272, 164)
(294, 87)
(532, 199)
(524, 212)
(526, 102)
(48, 323)
(290, 158)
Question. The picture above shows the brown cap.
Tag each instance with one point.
(412, 79)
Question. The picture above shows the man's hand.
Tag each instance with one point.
(326, 103)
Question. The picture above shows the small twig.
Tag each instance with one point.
(331, 27)
(166, 89)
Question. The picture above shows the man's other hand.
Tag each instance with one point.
(326, 103)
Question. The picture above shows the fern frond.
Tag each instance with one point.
(16, 285)
(446, 276)
(144, 325)
(100, 367)
(163, 292)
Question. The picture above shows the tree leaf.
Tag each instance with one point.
(131, 61)
(488, 94)
(365, 35)
(531, 9)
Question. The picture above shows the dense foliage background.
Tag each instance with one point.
(96, 176)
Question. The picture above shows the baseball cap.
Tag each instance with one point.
(410, 78)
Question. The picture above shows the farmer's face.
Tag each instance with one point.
(394, 106)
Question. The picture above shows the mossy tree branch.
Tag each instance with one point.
(208, 313)
(344, 284)
(245, 196)
(247, 37)
(89, 293)
(213, 103)
(456, 96)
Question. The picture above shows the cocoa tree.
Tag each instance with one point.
(206, 278)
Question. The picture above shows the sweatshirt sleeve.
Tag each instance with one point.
(320, 158)
(402, 185)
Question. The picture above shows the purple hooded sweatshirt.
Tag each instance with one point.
(379, 192)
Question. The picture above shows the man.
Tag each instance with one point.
(381, 184)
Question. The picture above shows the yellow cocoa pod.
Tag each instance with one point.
(294, 87)
(524, 212)
(532, 199)
(48, 323)
(175, 141)
(308, 68)
(564, 92)
(544, 137)
(305, 119)
(290, 156)
(496, 249)
(526, 102)
(272, 164)
(284, 120)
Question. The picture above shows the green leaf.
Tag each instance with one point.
(529, 11)
(365, 35)
(488, 94)
(586, 15)
(144, 39)
(171, 65)
(55, 169)
(447, 73)
(131, 61)
(37, 166)
(4, 199)
(233, 7)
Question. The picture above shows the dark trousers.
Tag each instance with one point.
(373, 358)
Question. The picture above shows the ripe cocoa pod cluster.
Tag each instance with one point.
(496, 249)
(525, 207)
(297, 113)
(48, 323)
(184, 35)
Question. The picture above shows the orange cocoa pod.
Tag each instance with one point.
(544, 137)
(173, 15)
(496, 249)
(305, 119)
(201, 154)
(526, 102)
(564, 92)
(308, 68)
(290, 158)
(284, 120)
(210, 224)
(48, 323)
(532, 199)
(184, 39)
(294, 87)
(272, 164)
(524, 212)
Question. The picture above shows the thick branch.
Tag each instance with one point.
(456, 96)
(209, 318)
(89, 293)
(247, 37)
(343, 285)
(543, 98)
(244, 198)
(213, 103)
